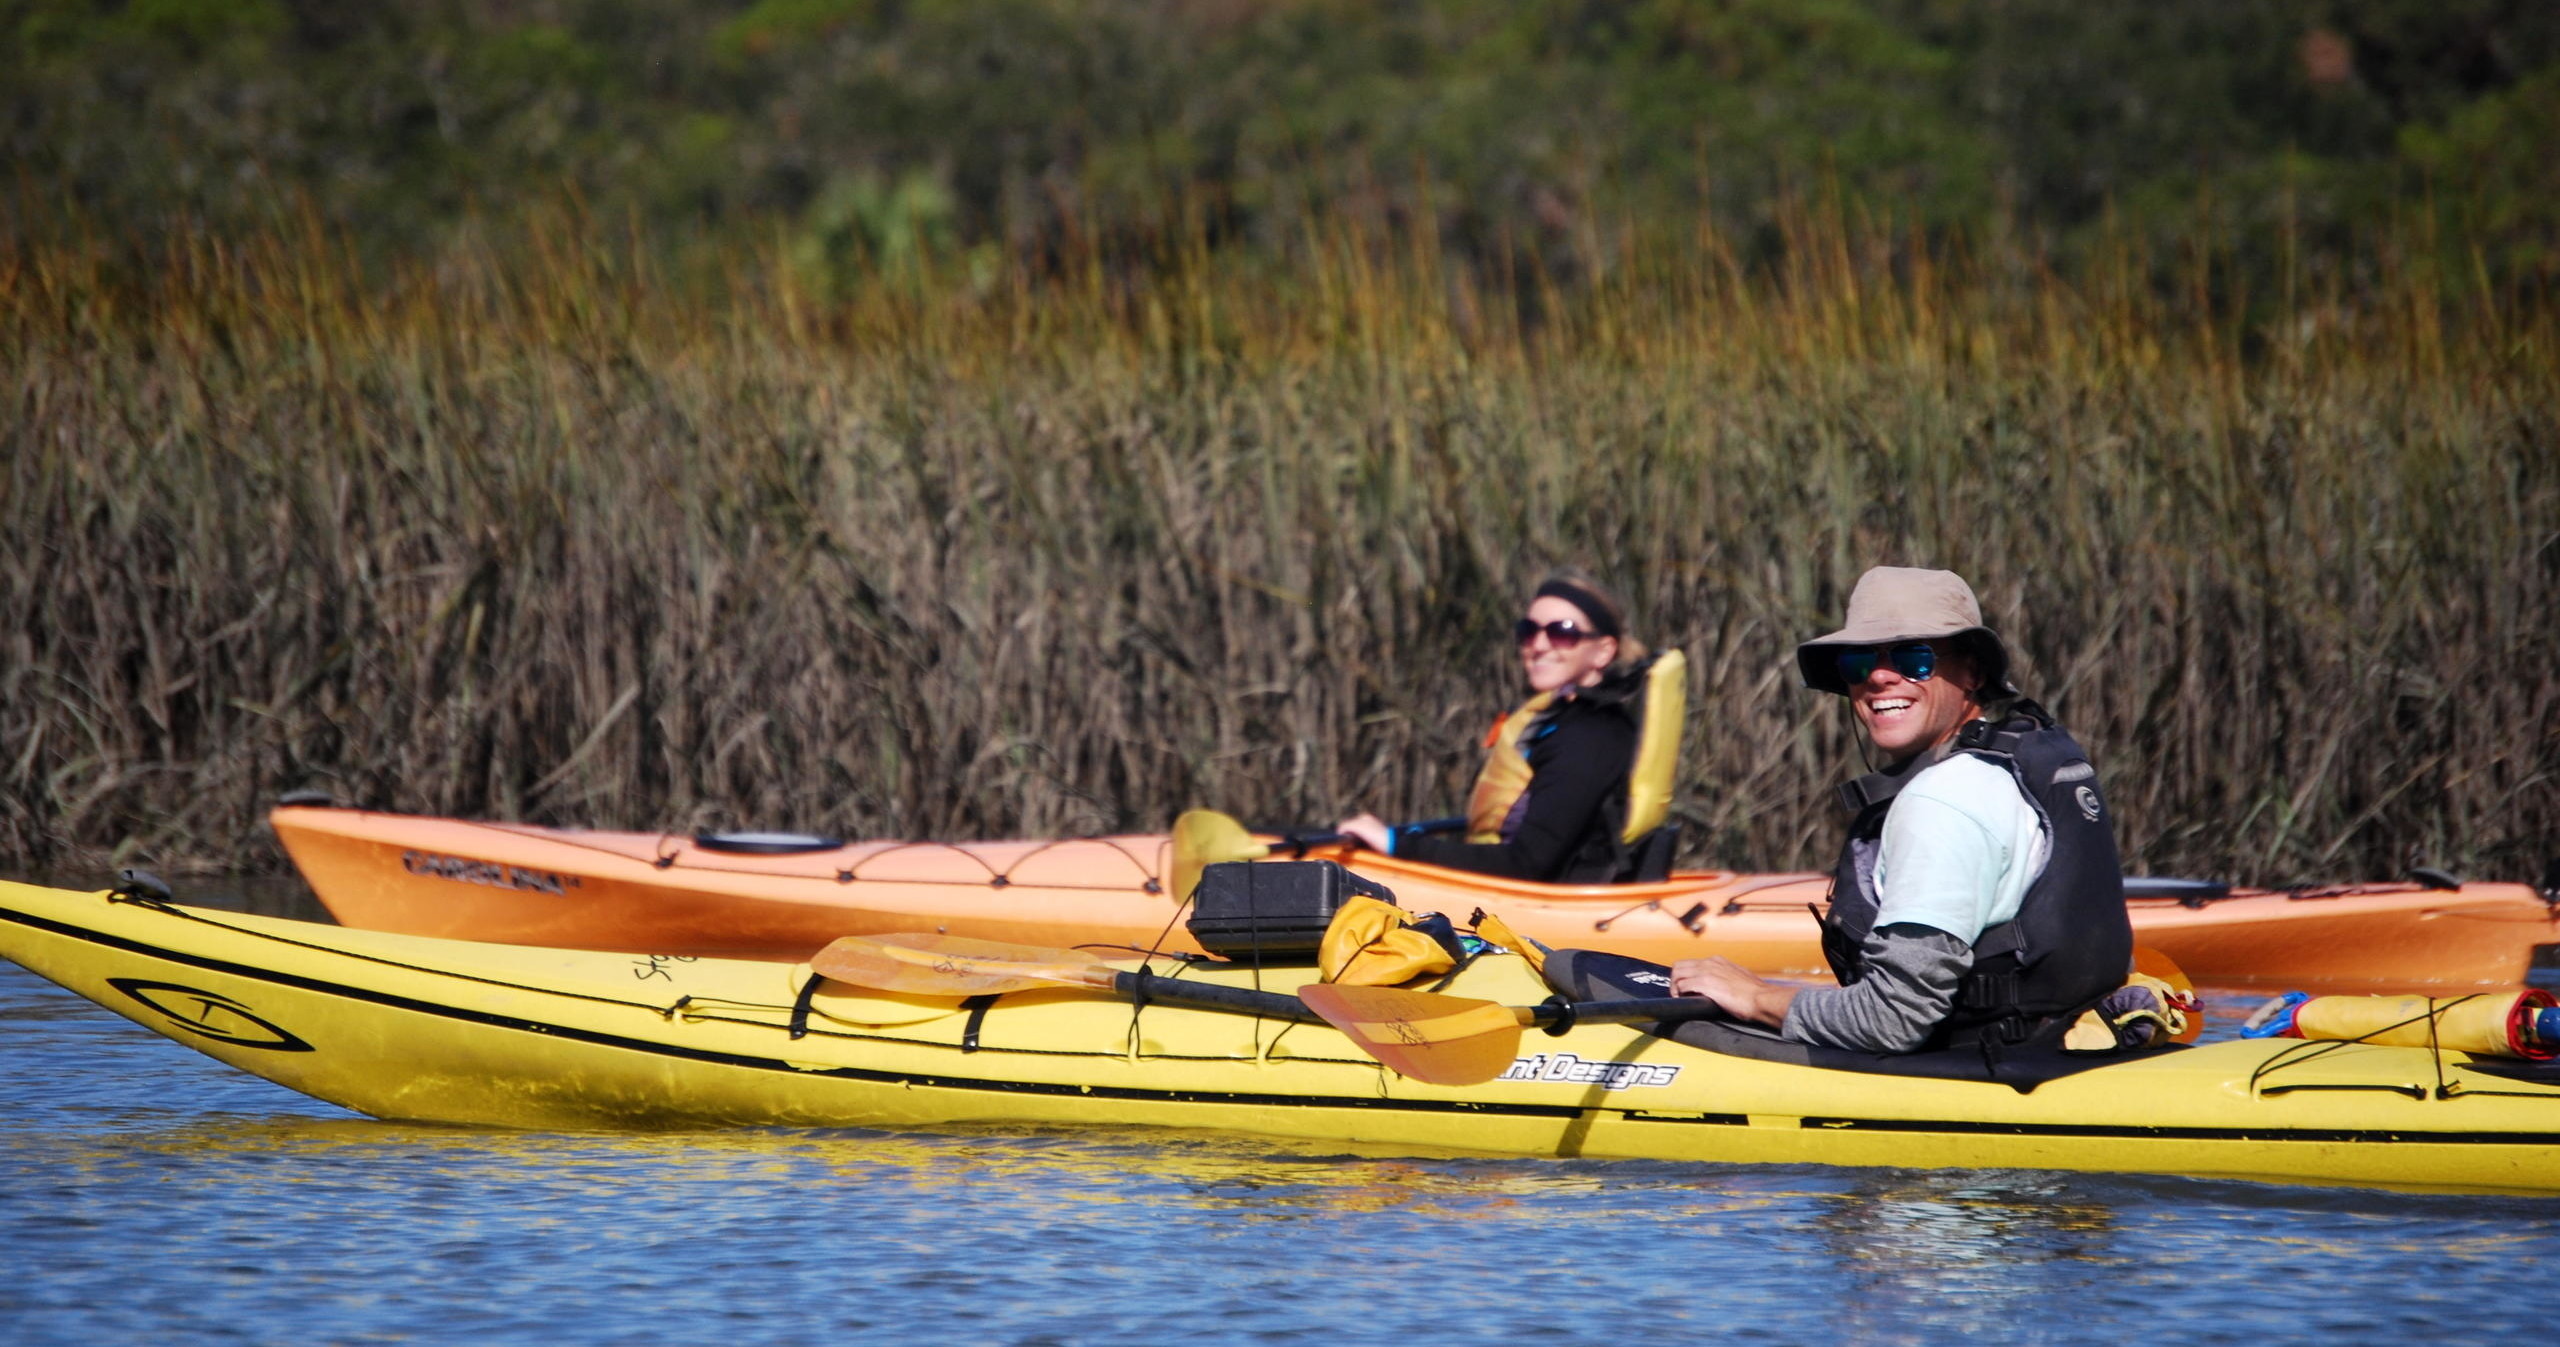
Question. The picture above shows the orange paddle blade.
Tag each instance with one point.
(951, 965)
(1205, 837)
(1440, 1040)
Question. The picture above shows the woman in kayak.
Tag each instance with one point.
(1551, 800)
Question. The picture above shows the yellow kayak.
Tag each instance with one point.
(433, 1030)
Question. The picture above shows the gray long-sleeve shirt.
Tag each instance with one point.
(1910, 985)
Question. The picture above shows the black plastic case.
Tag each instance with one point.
(1272, 911)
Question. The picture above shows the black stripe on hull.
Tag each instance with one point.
(2123, 1132)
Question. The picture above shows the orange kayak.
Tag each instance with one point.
(668, 893)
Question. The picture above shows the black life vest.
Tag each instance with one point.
(2070, 943)
(1652, 691)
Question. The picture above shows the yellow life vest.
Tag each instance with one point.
(1649, 781)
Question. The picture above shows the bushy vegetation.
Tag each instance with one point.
(1024, 128)
(560, 528)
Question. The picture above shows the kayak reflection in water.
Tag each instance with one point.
(1551, 802)
(1978, 897)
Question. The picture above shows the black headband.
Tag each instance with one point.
(1603, 622)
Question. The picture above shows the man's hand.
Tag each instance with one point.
(1741, 992)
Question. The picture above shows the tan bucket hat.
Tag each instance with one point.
(1893, 604)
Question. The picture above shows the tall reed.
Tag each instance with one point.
(568, 532)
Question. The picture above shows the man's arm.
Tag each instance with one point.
(1939, 874)
(1913, 974)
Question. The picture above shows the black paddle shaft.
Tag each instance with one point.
(1562, 1015)
(1146, 988)
(1297, 843)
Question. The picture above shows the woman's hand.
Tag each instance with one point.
(1740, 991)
(1369, 829)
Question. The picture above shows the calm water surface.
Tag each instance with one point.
(148, 1192)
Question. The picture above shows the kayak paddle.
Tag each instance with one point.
(951, 965)
(1205, 837)
(1458, 1040)
(1440, 1040)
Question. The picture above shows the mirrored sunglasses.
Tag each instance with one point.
(1916, 660)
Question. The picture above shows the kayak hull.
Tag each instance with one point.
(419, 1029)
(573, 888)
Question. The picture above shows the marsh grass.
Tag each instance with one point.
(579, 528)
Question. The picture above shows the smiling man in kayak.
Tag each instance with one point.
(1551, 800)
(1978, 897)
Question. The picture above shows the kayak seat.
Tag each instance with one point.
(1648, 858)
(1654, 773)
(1650, 838)
(1593, 975)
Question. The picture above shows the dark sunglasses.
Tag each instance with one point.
(1561, 635)
(1917, 661)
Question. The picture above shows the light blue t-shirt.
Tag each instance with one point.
(1961, 846)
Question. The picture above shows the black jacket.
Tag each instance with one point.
(1580, 752)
